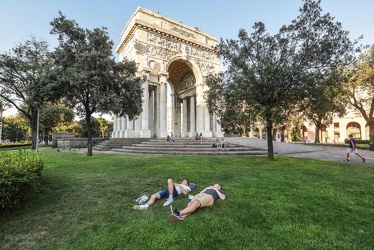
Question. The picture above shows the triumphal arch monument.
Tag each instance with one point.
(174, 59)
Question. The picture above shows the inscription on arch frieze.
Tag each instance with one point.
(178, 47)
(183, 32)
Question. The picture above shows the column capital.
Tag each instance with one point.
(163, 76)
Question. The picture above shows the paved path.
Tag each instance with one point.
(322, 152)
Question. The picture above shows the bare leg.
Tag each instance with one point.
(191, 207)
(347, 157)
(170, 186)
(362, 158)
(153, 199)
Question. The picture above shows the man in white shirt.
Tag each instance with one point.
(173, 190)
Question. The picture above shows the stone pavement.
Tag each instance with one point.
(327, 152)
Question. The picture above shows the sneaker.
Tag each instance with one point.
(140, 207)
(142, 199)
(174, 211)
(363, 159)
(174, 217)
(168, 202)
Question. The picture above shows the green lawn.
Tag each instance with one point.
(288, 203)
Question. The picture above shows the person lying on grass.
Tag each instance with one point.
(205, 198)
(173, 190)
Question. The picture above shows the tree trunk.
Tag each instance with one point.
(371, 129)
(318, 128)
(89, 134)
(34, 134)
(269, 129)
(46, 138)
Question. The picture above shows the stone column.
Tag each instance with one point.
(138, 126)
(151, 106)
(199, 109)
(184, 131)
(178, 118)
(192, 116)
(145, 132)
(163, 108)
(114, 132)
(123, 127)
(207, 130)
(218, 129)
(129, 133)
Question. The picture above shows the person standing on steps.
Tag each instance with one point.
(352, 149)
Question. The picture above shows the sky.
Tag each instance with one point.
(21, 19)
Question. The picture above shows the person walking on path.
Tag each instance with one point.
(205, 198)
(173, 190)
(352, 149)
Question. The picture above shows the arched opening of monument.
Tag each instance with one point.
(181, 99)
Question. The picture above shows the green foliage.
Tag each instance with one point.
(53, 115)
(95, 128)
(346, 141)
(20, 176)
(105, 126)
(288, 203)
(268, 75)
(90, 79)
(15, 128)
(359, 87)
(324, 100)
(26, 79)
(15, 145)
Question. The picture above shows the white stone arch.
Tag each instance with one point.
(195, 69)
(155, 42)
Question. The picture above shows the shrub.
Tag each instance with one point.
(20, 175)
(358, 141)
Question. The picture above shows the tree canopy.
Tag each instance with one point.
(89, 78)
(268, 75)
(359, 87)
(25, 76)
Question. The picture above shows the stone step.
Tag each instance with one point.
(199, 152)
(180, 146)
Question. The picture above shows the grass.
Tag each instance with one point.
(288, 203)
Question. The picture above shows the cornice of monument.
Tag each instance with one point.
(179, 32)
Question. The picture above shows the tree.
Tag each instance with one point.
(105, 126)
(25, 77)
(269, 74)
(95, 128)
(325, 99)
(92, 81)
(15, 128)
(359, 88)
(53, 115)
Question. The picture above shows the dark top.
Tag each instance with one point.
(213, 193)
(350, 142)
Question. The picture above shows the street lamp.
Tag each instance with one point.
(37, 128)
(1, 122)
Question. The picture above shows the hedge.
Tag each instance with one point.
(20, 176)
(358, 141)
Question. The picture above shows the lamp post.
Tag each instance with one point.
(37, 128)
(1, 122)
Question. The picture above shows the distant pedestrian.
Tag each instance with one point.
(353, 149)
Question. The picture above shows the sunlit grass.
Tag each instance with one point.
(289, 203)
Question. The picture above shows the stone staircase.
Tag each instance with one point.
(180, 146)
(115, 143)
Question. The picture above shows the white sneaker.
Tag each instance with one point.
(168, 202)
(142, 199)
(140, 207)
